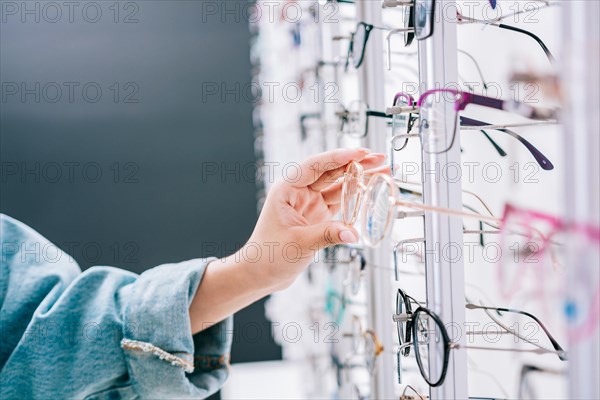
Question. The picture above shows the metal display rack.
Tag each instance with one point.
(445, 278)
(445, 286)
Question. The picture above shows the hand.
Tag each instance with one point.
(296, 221)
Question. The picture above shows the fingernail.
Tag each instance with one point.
(347, 236)
(377, 155)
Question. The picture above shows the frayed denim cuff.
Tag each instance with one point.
(163, 358)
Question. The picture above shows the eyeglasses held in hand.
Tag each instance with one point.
(380, 202)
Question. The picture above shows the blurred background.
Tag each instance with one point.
(110, 146)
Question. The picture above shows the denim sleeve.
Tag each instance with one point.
(104, 333)
(157, 341)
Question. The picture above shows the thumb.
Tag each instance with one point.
(330, 233)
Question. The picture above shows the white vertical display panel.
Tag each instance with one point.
(581, 85)
(380, 286)
(445, 276)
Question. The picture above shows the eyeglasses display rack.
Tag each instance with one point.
(459, 286)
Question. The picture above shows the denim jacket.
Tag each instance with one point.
(104, 333)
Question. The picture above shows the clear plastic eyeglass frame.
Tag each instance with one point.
(379, 201)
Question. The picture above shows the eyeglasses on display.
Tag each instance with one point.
(536, 239)
(365, 342)
(358, 43)
(410, 393)
(354, 120)
(429, 335)
(335, 304)
(526, 391)
(424, 16)
(404, 304)
(404, 113)
(433, 137)
(303, 119)
(461, 19)
(354, 259)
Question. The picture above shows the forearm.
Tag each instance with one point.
(228, 285)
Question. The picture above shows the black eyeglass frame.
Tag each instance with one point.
(357, 61)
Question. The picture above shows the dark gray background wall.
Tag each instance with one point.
(107, 145)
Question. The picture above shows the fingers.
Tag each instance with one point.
(384, 169)
(312, 169)
(335, 208)
(330, 177)
(328, 234)
(333, 194)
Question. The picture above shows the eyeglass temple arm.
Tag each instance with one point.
(447, 211)
(526, 369)
(303, 118)
(534, 351)
(481, 241)
(388, 39)
(500, 150)
(483, 81)
(562, 354)
(395, 250)
(496, 23)
(378, 114)
(465, 191)
(496, 146)
(533, 36)
(525, 110)
(541, 159)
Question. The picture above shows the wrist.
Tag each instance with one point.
(252, 271)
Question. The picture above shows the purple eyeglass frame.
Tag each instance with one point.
(541, 159)
(463, 99)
